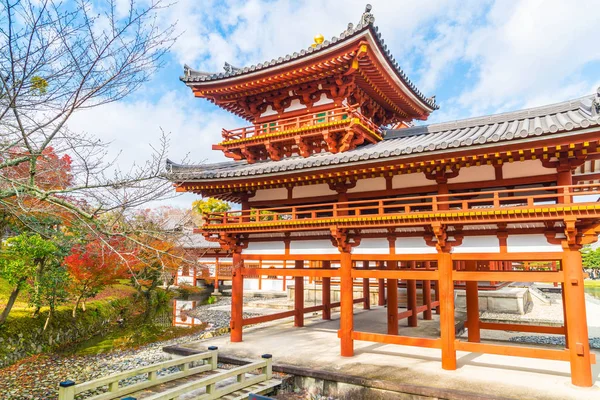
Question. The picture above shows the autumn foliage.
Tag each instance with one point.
(95, 265)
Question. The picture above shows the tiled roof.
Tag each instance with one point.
(196, 241)
(511, 127)
(192, 76)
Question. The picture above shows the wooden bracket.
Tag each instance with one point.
(441, 242)
(442, 173)
(343, 240)
(231, 243)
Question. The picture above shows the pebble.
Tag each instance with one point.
(552, 340)
(37, 377)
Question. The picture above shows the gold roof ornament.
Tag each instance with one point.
(318, 40)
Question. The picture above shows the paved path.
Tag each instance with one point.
(316, 346)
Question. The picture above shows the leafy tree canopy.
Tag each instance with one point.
(210, 205)
(590, 257)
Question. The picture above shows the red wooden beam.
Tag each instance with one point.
(395, 339)
(516, 351)
(557, 330)
(506, 276)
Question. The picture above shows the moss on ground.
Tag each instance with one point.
(132, 337)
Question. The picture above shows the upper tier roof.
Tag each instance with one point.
(364, 28)
(489, 131)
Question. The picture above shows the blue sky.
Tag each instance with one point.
(478, 57)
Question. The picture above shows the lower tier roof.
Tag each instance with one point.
(489, 131)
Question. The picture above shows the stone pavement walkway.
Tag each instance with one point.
(316, 346)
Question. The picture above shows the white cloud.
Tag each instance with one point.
(246, 32)
(532, 52)
(516, 54)
(133, 126)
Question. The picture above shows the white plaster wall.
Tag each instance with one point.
(202, 260)
(270, 194)
(250, 284)
(323, 100)
(519, 169)
(479, 244)
(372, 246)
(187, 280)
(265, 248)
(295, 105)
(272, 284)
(322, 189)
(266, 284)
(312, 247)
(413, 245)
(268, 111)
(410, 180)
(369, 184)
(530, 243)
(475, 174)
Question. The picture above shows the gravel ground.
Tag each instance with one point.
(37, 377)
(217, 314)
(553, 340)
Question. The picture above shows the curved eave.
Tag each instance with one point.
(582, 134)
(222, 82)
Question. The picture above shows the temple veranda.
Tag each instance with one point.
(336, 184)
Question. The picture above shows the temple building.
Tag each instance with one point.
(337, 183)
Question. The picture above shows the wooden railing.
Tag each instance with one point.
(265, 372)
(286, 124)
(187, 366)
(470, 201)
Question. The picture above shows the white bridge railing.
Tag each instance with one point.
(189, 365)
(247, 375)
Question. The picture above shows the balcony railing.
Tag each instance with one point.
(304, 121)
(498, 200)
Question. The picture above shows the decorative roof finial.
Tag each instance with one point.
(596, 102)
(367, 18)
(230, 69)
(318, 40)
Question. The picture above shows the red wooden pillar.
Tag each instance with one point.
(347, 305)
(427, 294)
(578, 340)
(437, 295)
(446, 288)
(299, 296)
(381, 287)
(392, 301)
(216, 274)
(553, 268)
(472, 305)
(411, 297)
(326, 293)
(562, 293)
(237, 298)
(366, 289)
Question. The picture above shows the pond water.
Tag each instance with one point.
(593, 290)
(171, 320)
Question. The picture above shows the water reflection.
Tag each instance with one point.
(593, 290)
(180, 313)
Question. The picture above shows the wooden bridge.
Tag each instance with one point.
(195, 376)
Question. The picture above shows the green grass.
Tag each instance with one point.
(21, 308)
(591, 283)
(5, 291)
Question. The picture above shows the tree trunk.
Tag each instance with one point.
(36, 286)
(77, 305)
(11, 303)
(50, 314)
